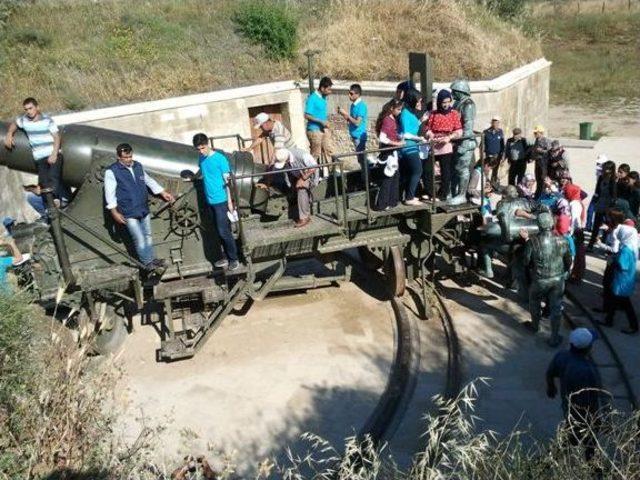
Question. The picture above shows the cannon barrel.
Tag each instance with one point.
(81, 142)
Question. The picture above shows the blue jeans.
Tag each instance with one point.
(411, 171)
(37, 203)
(223, 228)
(140, 231)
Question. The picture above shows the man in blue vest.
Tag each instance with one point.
(126, 186)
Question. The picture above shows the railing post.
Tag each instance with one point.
(345, 220)
(58, 238)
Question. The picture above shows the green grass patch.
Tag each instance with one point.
(595, 56)
(270, 24)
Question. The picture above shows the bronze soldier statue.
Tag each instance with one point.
(463, 156)
(513, 214)
(548, 258)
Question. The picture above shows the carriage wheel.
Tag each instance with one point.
(394, 270)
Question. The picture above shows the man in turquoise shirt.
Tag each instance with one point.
(215, 171)
(317, 115)
(357, 121)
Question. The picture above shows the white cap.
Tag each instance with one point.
(259, 119)
(496, 117)
(581, 338)
(602, 158)
(282, 155)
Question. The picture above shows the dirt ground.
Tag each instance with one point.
(315, 361)
(621, 119)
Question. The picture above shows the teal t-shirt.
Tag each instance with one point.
(409, 123)
(5, 264)
(358, 110)
(214, 168)
(316, 106)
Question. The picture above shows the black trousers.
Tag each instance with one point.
(516, 171)
(446, 173)
(541, 173)
(389, 193)
(621, 303)
(50, 176)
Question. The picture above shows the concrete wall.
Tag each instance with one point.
(520, 97)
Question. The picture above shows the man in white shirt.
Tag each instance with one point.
(126, 195)
(302, 180)
(274, 130)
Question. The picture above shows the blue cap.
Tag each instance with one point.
(8, 221)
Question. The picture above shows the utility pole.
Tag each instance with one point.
(310, 54)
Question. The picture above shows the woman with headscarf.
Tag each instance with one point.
(624, 278)
(527, 186)
(443, 126)
(410, 162)
(575, 196)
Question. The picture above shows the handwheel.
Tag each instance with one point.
(394, 270)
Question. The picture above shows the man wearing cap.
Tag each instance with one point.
(548, 260)
(317, 115)
(302, 180)
(540, 156)
(516, 152)
(558, 161)
(274, 130)
(494, 147)
(580, 387)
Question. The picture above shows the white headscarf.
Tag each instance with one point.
(628, 236)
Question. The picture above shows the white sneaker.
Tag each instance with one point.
(221, 263)
(413, 201)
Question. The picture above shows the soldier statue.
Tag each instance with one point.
(513, 214)
(466, 144)
(549, 261)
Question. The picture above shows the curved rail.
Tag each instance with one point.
(629, 395)
(454, 373)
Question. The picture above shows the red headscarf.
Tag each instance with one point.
(572, 192)
(563, 224)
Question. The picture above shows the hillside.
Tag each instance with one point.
(74, 54)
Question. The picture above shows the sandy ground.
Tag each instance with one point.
(622, 119)
(315, 361)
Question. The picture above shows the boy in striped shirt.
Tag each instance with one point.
(44, 139)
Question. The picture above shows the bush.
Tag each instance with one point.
(56, 403)
(270, 24)
(506, 8)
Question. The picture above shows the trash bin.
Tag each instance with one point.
(586, 130)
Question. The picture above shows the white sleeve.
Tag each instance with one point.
(110, 185)
(154, 186)
(53, 128)
(19, 121)
(384, 139)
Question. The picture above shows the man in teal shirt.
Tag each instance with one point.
(357, 120)
(215, 171)
(317, 116)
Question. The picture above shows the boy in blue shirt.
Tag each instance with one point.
(357, 120)
(15, 258)
(317, 115)
(215, 170)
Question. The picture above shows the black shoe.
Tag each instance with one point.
(531, 327)
(629, 331)
(597, 309)
(159, 263)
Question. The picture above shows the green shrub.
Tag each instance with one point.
(506, 8)
(270, 24)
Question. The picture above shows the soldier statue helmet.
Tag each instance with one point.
(545, 221)
(460, 88)
(511, 192)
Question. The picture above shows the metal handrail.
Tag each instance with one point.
(340, 216)
(241, 141)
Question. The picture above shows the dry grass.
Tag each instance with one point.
(367, 39)
(77, 54)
